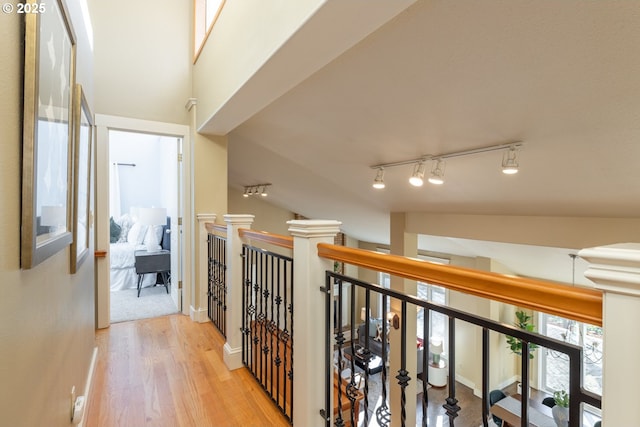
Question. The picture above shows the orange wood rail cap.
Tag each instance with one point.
(582, 304)
(212, 228)
(263, 236)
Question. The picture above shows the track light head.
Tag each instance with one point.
(417, 178)
(437, 173)
(510, 165)
(254, 190)
(378, 182)
(510, 161)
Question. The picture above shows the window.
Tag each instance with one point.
(384, 280)
(206, 13)
(438, 325)
(555, 366)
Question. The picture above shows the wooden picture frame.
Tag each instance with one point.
(49, 77)
(82, 120)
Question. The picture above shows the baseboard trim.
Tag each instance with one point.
(467, 382)
(89, 383)
(232, 357)
(478, 392)
(198, 315)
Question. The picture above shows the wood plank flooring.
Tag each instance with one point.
(169, 372)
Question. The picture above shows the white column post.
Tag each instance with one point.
(615, 269)
(233, 346)
(309, 317)
(199, 302)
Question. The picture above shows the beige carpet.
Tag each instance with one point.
(153, 302)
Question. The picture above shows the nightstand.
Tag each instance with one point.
(153, 262)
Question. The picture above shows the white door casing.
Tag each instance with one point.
(181, 239)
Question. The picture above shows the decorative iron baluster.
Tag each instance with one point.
(452, 403)
(267, 323)
(217, 286)
(426, 318)
(383, 413)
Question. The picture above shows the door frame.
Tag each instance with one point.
(105, 123)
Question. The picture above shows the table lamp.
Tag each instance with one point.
(153, 217)
(435, 347)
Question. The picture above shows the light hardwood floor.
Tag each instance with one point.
(169, 372)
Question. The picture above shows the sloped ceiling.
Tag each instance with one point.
(562, 77)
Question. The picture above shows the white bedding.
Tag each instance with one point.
(123, 267)
(122, 255)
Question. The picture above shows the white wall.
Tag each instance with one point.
(47, 316)
(233, 53)
(152, 182)
(143, 58)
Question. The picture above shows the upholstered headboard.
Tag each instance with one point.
(166, 235)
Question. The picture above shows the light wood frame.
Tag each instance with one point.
(83, 126)
(49, 77)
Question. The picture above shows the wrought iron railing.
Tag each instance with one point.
(348, 396)
(217, 278)
(267, 324)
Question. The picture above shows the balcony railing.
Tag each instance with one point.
(217, 276)
(405, 375)
(268, 315)
(268, 335)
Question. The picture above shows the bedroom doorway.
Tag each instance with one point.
(144, 179)
(142, 162)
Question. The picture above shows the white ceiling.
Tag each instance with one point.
(442, 76)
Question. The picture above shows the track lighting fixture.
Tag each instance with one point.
(378, 182)
(417, 178)
(254, 190)
(437, 173)
(509, 163)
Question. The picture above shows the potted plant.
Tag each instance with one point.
(561, 409)
(523, 321)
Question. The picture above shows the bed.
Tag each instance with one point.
(126, 236)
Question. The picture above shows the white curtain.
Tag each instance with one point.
(115, 209)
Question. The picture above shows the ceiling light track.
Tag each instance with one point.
(254, 190)
(509, 163)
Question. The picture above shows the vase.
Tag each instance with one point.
(560, 415)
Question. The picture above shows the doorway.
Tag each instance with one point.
(143, 207)
(140, 169)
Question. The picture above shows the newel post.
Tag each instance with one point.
(198, 308)
(233, 346)
(309, 317)
(615, 269)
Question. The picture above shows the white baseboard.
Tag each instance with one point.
(467, 382)
(198, 315)
(478, 392)
(88, 383)
(232, 357)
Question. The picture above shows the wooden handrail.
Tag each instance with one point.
(581, 304)
(212, 228)
(263, 236)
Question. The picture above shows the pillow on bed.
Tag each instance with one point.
(125, 222)
(114, 231)
(136, 234)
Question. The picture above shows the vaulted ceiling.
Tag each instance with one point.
(442, 76)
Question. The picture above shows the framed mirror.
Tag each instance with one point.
(82, 120)
(49, 73)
